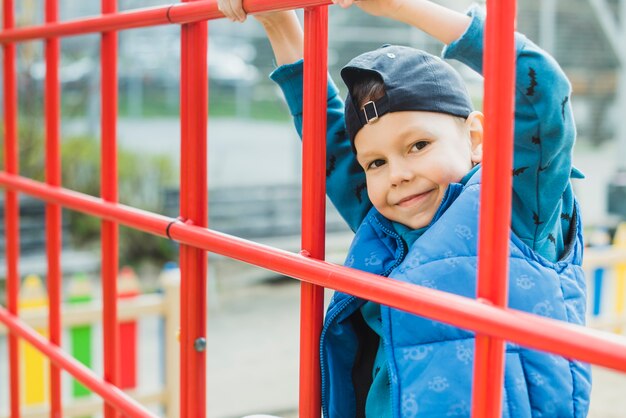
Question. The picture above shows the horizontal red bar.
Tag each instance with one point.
(112, 394)
(178, 13)
(523, 328)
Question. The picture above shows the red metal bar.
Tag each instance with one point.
(128, 290)
(109, 392)
(179, 13)
(12, 211)
(477, 315)
(495, 208)
(184, 87)
(110, 230)
(313, 202)
(53, 212)
(194, 209)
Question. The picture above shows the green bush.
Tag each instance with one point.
(141, 179)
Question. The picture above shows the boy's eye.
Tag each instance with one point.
(376, 163)
(420, 145)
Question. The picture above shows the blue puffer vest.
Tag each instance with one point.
(430, 363)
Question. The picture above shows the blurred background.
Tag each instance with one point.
(254, 172)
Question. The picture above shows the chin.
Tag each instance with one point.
(421, 223)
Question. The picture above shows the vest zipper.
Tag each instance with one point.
(329, 321)
(342, 307)
(398, 261)
(403, 246)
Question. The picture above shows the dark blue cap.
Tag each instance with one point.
(413, 80)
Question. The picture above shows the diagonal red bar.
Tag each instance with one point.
(532, 331)
(495, 208)
(313, 202)
(53, 212)
(113, 395)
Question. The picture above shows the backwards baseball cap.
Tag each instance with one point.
(413, 80)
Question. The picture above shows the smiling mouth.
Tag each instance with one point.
(413, 199)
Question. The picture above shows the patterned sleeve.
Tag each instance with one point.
(345, 180)
(544, 138)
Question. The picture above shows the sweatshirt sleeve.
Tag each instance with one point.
(543, 200)
(345, 180)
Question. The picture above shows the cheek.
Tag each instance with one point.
(447, 171)
(459, 163)
(375, 192)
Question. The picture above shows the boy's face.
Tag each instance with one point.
(411, 157)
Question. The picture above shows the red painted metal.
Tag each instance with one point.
(522, 328)
(313, 202)
(179, 13)
(53, 212)
(194, 209)
(112, 394)
(184, 88)
(128, 289)
(495, 208)
(12, 214)
(109, 192)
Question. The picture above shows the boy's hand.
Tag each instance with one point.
(233, 10)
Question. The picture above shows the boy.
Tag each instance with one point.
(418, 147)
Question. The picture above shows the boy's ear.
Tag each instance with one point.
(475, 124)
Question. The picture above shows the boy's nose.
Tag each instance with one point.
(399, 173)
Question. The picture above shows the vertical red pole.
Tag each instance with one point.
(53, 212)
(12, 211)
(128, 288)
(495, 208)
(313, 201)
(194, 209)
(184, 56)
(108, 181)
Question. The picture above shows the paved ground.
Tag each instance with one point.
(254, 350)
(253, 355)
